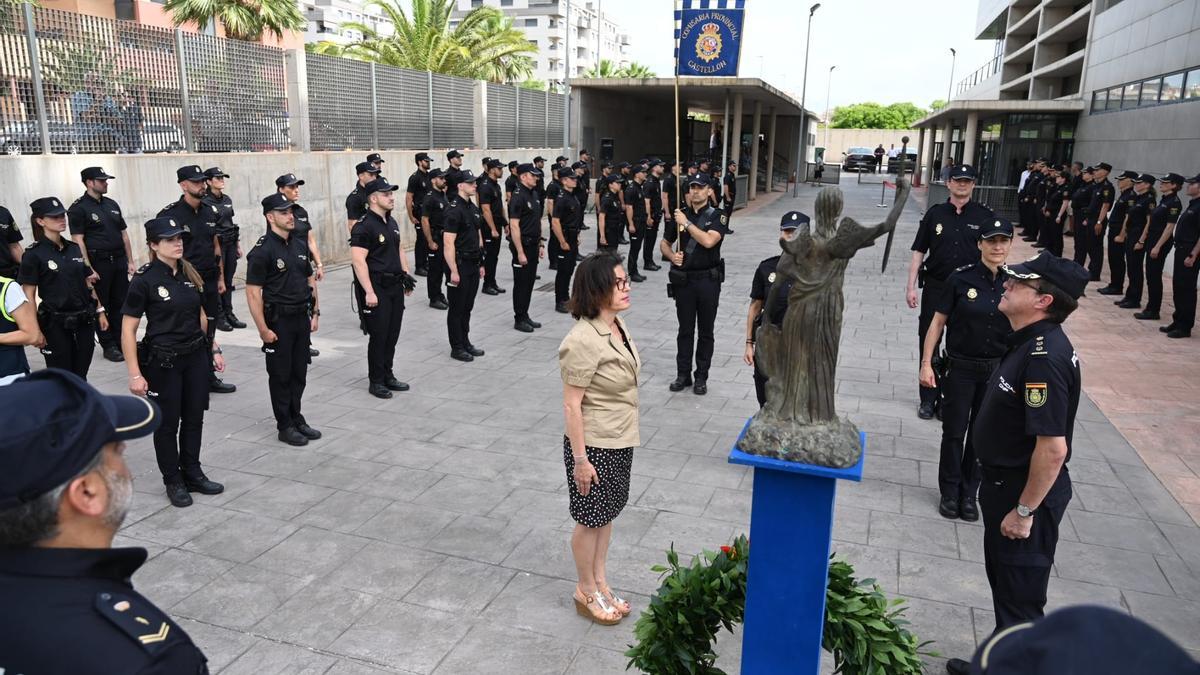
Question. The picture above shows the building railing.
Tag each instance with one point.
(1001, 199)
(985, 71)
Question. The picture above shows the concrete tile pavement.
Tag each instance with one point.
(429, 533)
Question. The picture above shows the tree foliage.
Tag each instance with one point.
(483, 46)
(937, 104)
(876, 116)
(242, 19)
(609, 69)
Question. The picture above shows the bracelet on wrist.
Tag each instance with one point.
(217, 351)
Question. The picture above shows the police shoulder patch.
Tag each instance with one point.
(1035, 394)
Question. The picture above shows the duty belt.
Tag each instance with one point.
(106, 254)
(710, 273)
(1002, 473)
(974, 365)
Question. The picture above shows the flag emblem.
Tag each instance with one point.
(708, 44)
(1035, 394)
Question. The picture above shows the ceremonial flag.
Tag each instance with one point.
(708, 37)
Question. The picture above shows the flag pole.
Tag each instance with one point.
(678, 163)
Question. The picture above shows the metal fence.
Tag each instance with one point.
(1001, 199)
(105, 86)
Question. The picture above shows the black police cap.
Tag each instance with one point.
(495, 164)
(158, 229)
(698, 179)
(611, 178)
(287, 180)
(656, 162)
(1088, 169)
(962, 172)
(1193, 179)
(191, 173)
(453, 153)
(436, 173)
(566, 172)
(792, 220)
(422, 157)
(1172, 178)
(276, 202)
(539, 158)
(54, 425)
(382, 185)
(579, 165)
(638, 168)
(996, 228)
(46, 206)
(1104, 165)
(375, 157)
(1068, 275)
(528, 168)
(584, 152)
(366, 167)
(560, 158)
(1129, 175)
(485, 161)
(465, 176)
(1144, 178)
(623, 165)
(95, 173)
(514, 164)
(215, 172)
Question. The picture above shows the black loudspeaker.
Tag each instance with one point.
(606, 149)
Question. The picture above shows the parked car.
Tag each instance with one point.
(19, 138)
(859, 159)
(893, 165)
(162, 138)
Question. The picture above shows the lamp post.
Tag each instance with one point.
(950, 88)
(828, 88)
(800, 164)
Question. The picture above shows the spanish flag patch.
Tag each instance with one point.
(1035, 394)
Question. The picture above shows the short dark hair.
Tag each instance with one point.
(36, 520)
(593, 284)
(1061, 305)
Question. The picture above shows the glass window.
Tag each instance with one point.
(1172, 88)
(506, 3)
(1099, 100)
(1131, 95)
(1192, 86)
(1114, 98)
(1150, 91)
(530, 23)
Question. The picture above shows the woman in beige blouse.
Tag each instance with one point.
(599, 365)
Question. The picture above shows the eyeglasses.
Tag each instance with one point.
(622, 283)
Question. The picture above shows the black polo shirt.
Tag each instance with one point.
(540, 188)
(695, 257)
(585, 181)
(282, 267)
(1102, 193)
(614, 213)
(1029, 191)
(1187, 228)
(950, 238)
(569, 212)
(99, 221)
(511, 184)
(419, 185)
(434, 206)
(671, 187)
(1120, 208)
(168, 300)
(635, 197)
(199, 228)
(81, 614)
(224, 226)
(59, 274)
(1055, 198)
(491, 199)
(1167, 211)
(526, 208)
(762, 284)
(1081, 196)
(356, 203)
(731, 183)
(9, 234)
(381, 239)
(303, 224)
(1033, 392)
(975, 326)
(453, 178)
(465, 221)
(653, 191)
(554, 192)
(1138, 214)
(580, 193)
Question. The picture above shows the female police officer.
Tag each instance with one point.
(171, 365)
(612, 213)
(975, 332)
(54, 267)
(1132, 235)
(1157, 240)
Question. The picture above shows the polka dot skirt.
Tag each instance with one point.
(605, 500)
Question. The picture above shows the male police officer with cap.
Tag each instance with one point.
(376, 160)
(1089, 240)
(382, 280)
(637, 219)
(454, 172)
(356, 201)
(414, 196)
(1023, 437)
(462, 245)
(696, 273)
(948, 233)
(763, 285)
(64, 491)
(526, 244)
(491, 202)
(554, 192)
(539, 163)
(98, 228)
(1186, 271)
(433, 213)
(281, 291)
(565, 224)
(288, 185)
(202, 249)
(1126, 197)
(231, 249)
(511, 182)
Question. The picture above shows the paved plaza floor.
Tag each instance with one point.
(429, 533)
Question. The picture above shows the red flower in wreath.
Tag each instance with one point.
(729, 551)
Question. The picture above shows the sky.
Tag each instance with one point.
(886, 51)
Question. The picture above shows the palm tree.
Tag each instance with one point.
(637, 71)
(243, 19)
(606, 69)
(484, 45)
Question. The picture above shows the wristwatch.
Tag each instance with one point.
(1024, 511)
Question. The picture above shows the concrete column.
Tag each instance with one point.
(770, 148)
(480, 114)
(735, 138)
(931, 171)
(969, 138)
(918, 177)
(296, 75)
(947, 138)
(757, 126)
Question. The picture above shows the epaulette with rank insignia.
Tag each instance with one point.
(965, 267)
(143, 268)
(261, 239)
(142, 622)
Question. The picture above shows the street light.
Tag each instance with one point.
(950, 88)
(800, 164)
(828, 88)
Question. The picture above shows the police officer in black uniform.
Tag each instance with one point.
(526, 244)
(10, 245)
(949, 234)
(729, 189)
(288, 185)
(281, 291)
(760, 287)
(1028, 206)
(171, 364)
(554, 192)
(1089, 240)
(381, 280)
(356, 201)
(1133, 235)
(611, 214)
(202, 249)
(231, 249)
(414, 196)
(1081, 196)
(539, 163)
(696, 274)
(1116, 219)
(654, 193)
(582, 194)
(495, 220)
(511, 182)
(376, 160)
(454, 171)
(54, 268)
(1023, 438)
(1186, 272)
(975, 334)
(1157, 241)
(99, 229)
(637, 219)
(1055, 213)
(433, 211)
(585, 178)
(463, 255)
(78, 610)
(565, 224)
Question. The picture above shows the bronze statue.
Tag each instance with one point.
(798, 422)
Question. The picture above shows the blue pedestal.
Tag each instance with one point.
(791, 527)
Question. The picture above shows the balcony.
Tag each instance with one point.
(983, 73)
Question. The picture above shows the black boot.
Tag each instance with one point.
(178, 495)
(682, 382)
(200, 483)
(234, 321)
(223, 324)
